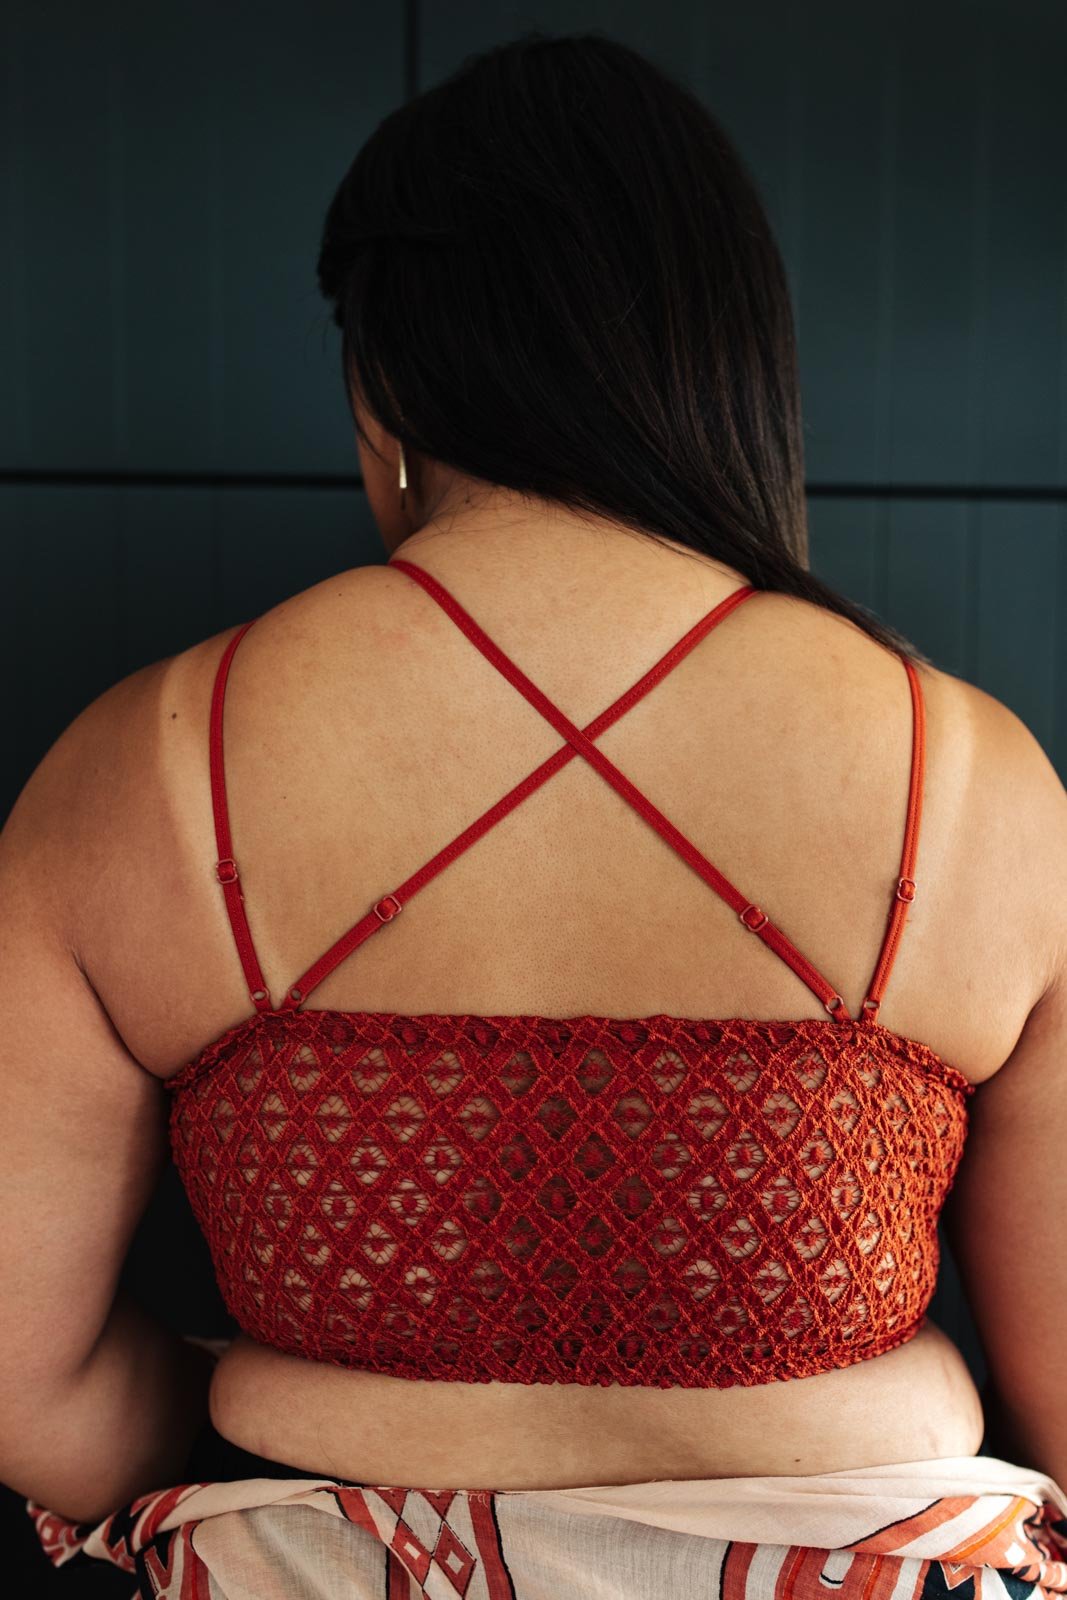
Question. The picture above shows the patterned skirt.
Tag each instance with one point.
(974, 1525)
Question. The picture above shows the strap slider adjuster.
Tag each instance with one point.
(906, 889)
(755, 926)
(226, 870)
(387, 916)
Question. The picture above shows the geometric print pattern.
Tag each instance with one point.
(315, 1536)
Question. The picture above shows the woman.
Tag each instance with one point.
(548, 1284)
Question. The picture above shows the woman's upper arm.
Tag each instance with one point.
(1006, 1217)
(82, 1124)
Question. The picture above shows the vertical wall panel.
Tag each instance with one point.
(1017, 551)
(14, 262)
(61, 220)
(61, 638)
(845, 548)
(843, 292)
(940, 218)
(927, 553)
(169, 573)
(1024, 418)
(168, 262)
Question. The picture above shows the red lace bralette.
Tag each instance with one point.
(654, 1200)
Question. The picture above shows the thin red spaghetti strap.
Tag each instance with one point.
(766, 930)
(904, 893)
(382, 911)
(226, 867)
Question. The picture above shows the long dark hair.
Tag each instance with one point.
(552, 271)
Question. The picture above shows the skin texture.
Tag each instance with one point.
(363, 731)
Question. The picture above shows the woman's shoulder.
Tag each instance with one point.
(994, 806)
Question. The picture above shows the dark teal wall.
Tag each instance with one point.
(175, 451)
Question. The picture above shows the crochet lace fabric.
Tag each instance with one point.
(654, 1201)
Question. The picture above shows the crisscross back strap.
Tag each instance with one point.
(390, 905)
(579, 742)
(753, 917)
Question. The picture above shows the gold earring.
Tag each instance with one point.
(403, 478)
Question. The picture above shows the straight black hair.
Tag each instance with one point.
(552, 271)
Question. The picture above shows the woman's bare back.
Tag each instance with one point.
(363, 731)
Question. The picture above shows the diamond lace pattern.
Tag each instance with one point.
(654, 1201)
